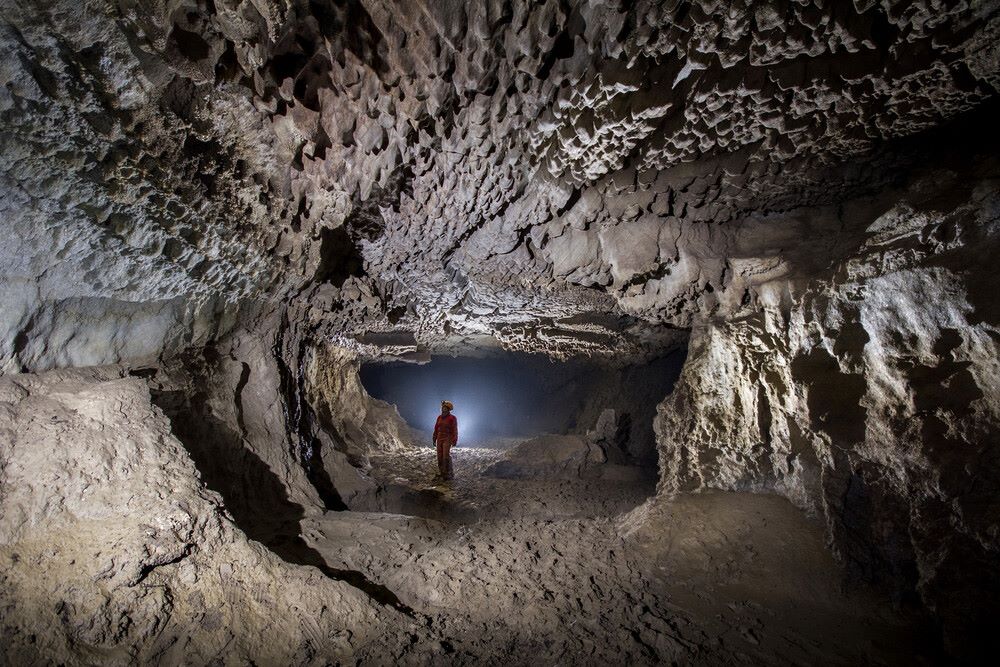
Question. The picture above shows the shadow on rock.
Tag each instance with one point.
(253, 494)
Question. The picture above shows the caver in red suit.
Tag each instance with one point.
(445, 437)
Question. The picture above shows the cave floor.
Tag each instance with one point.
(412, 486)
(589, 571)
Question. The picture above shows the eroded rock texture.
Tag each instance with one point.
(410, 164)
(111, 545)
(237, 201)
(871, 398)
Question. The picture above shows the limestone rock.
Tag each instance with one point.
(111, 545)
(237, 201)
(870, 398)
(396, 167)
(548, 456)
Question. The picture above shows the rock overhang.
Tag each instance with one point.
(465, 171)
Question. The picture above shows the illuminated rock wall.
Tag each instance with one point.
(870, 398)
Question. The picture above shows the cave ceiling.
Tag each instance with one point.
(557, 176)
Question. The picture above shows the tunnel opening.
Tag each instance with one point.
(536, 436)
(504, 399)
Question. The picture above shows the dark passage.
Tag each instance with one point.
(253, 494)
(520, 395)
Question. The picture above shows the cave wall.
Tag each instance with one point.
(344, 407)
(114, 551)
(870, 397)
(209, 190)
(231, 403)
(126, 233)
(624, 400)
(276, 422)
(345, 425)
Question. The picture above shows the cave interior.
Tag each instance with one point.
(711, 285)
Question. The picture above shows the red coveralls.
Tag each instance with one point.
(445, 437)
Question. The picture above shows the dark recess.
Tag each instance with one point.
(191, 45)
(339, 257)
(251, 492)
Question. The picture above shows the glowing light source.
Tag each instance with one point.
(495, 397)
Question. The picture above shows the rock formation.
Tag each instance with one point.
(113, 550)
(870, 397)
(214, 211)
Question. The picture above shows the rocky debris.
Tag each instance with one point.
(607, 433)
(408, 483)
(723, 550)
(111, 546)
(548, 456)
(554, 569)
(231, 404)
(619, 409)
(568, 457)
(212, 193)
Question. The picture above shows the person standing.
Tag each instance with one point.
(445, 437)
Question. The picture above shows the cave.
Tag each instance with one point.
(710, 289)
(507, 397)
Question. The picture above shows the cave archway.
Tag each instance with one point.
(505, 398)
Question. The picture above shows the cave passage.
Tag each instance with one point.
(511, 396)
(250, 248)
(517, 395)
